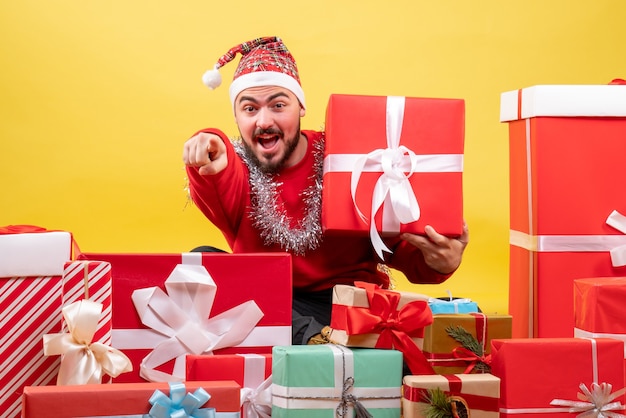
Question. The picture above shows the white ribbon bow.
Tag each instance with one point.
(618, 254)
(392, 190)
(182, 315)
(257, 403)
(84, 362)
(595, 403)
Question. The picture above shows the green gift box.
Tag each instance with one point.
(327, 380)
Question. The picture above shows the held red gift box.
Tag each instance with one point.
(536, 371)
(31, 266)
(116, 399)
(264, 279)
(479, 392)
(599, 308)
(432, 134)
(566, 145)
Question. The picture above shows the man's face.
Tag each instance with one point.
(268, 119)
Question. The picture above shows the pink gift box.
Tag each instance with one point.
(264, 279)
(566, 144)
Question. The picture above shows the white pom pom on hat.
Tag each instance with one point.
(264, 62)
(212, 78)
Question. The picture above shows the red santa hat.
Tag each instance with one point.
(264, 62)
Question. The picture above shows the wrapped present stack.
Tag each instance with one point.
(565, 144)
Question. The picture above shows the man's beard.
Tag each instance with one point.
(270, 167)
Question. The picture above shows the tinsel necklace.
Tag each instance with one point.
(269, 216)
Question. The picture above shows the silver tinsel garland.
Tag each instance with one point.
(269, 216)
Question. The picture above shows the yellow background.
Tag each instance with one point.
(97, 98)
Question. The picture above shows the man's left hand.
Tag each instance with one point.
(441, 253)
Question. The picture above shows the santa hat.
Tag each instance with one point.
(264, 62)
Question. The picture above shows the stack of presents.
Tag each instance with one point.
(209, 334)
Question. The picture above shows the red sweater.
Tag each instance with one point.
(225, 198)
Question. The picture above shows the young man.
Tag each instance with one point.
(264, 191)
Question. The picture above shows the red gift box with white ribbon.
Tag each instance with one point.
(167, 306)
(555, 377)
(566, 146)
(251, 371)
(393, 164)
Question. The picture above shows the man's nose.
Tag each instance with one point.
(264, 119)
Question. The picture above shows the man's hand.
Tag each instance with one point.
(206, 151)
(441, 253)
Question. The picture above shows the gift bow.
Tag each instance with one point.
(182, 315)
(597, 402)
(21, 229)
(462, 353)
(180, 404)
(84, 362)
(395, 326)
(392, 189)
(257, 403)
(618, 254)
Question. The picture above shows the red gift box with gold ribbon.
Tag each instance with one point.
(366, 316)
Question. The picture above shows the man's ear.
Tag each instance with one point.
(302, 111)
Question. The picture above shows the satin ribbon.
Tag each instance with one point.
(180, 404)
(597, 402)
(462, 353)
(21, 229)
(395, 326)
(257, 402)
(392, 191)
(614, 244)
(182, 317)
(84, 362)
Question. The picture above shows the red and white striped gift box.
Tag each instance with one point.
(30, 306)
(90, 280)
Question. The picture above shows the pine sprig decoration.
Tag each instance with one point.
(440, 405)
(469, 342)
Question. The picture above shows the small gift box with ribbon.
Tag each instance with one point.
(393, 164)
(166, 306)
(452, 305)
(331, 381)
(478, 394)
(599, 308)
(566, 147)
(544, 377)
(461, 343)
(366, 316)
(31, 267)
(134, 400)
(251, 371)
